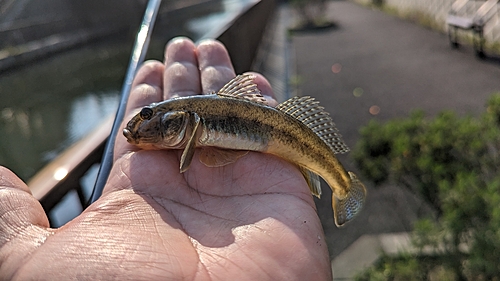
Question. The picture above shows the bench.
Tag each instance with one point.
(458, 20)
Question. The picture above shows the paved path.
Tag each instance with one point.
(399, 66)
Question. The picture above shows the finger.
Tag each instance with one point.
(265, 88)
(9, 180)
(215, 65)
(20, 212)
(181, 77)
(147, 88)
(23, 224)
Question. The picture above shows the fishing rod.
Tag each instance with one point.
(138, 53)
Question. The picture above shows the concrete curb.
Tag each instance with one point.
(366, 251)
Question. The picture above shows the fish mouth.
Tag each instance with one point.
(128, 134)
(135, 139)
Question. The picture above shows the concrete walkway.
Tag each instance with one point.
(373, 60)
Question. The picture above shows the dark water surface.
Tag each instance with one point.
(47, 106)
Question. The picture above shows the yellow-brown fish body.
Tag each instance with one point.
(237, 120)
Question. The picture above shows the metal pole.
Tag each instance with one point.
(138, 53)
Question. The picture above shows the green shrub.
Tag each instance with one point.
(403, 268)
(453, 163)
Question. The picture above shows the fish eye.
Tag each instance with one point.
(146, 113)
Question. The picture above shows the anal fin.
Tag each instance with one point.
(216, 157)
(312, 180)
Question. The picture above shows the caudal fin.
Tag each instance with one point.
(347, 208)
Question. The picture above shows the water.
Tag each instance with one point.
(49, 105)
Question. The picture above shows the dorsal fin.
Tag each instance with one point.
(242, 86)
(307, 110)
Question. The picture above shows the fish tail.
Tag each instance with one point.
(347, 208)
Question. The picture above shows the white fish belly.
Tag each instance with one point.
(238, 141)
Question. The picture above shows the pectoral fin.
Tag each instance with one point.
(215, 157)
(187, 154)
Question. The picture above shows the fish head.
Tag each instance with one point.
(154, 129)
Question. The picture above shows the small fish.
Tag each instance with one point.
(237, 119)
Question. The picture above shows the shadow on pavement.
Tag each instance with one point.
(312, 28)
(492, 59)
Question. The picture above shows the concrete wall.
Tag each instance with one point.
(243, 35)
(438, 10)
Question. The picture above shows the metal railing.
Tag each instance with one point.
(478, 11)
(241, 36)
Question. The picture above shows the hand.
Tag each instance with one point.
(254, 219)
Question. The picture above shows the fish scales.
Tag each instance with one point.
(278, 133)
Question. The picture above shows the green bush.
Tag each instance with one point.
(387, 268)
(452, 162)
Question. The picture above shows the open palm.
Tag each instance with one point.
(251, 220)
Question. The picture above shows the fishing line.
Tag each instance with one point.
(138, 53)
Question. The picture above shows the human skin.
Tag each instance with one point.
(254, 219)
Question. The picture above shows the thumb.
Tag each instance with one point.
(23, 223)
